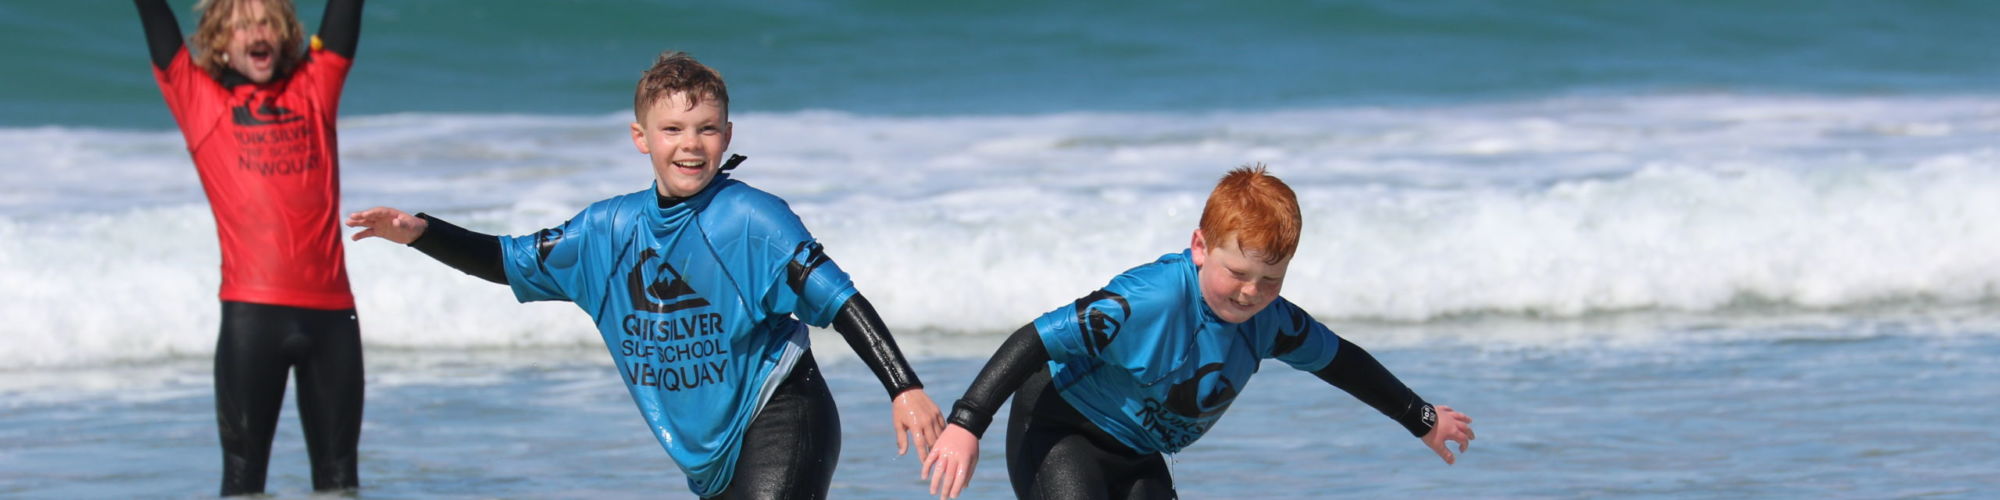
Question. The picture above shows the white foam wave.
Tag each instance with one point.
(955, 225)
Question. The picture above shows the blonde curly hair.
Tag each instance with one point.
(211, 36)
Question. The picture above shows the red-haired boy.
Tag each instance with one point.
(1144, 366)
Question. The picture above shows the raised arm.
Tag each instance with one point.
(163, 32)
(1357, 372)
(340, 28)
(957, 452)
(915, 417)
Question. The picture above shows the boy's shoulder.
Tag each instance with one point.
(1172, 267)
(744, 207)
(1164, 281)
(738, 195)
(628, 202)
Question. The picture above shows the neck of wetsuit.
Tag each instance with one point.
(668, 201)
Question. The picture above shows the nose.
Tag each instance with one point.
(1249, 289)
(690, 143)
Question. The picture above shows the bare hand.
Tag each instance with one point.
(950, 464)
(387, 223)
(916, 419)
(1451, 426)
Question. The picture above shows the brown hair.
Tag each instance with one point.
(676, 71)
(211, 35)
(1257, 210)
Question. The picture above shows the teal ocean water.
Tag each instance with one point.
(81, 63)
(1656, 249)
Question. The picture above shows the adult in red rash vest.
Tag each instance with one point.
(257, 108)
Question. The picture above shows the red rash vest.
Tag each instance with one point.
(266, 156)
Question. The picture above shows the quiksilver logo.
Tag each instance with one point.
(1100, 316)
(1188, 399)
(263, 113)
(665, 292)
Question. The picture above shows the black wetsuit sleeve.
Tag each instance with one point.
(862, 327)
(1355, 371)
(1017, 359)
(463, 249)
(163, 32)
(340, 28)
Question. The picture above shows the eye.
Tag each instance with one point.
(711, 129)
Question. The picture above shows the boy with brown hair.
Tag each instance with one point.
(1105, 385)
(701, 287)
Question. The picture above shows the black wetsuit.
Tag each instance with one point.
(793, 445)
(286, 306)
(1054, 452)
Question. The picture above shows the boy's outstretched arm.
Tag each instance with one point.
(1357, 372)
(469, 251)
(915, 417)
(163, 32)
(957, 452)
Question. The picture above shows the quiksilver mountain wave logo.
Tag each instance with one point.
(1100, 316)
(263, 113)
(665, 292)
(1190, 408)
(1187, 397)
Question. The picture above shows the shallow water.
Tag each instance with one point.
(1880, 410)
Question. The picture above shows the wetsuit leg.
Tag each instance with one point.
(329, 395)
(793, 445)
(249, 392)
(1054, 452)
(258, 347)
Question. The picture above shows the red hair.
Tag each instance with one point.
(1254, 209)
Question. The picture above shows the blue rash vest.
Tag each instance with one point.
(1147, 361)
(696, 303)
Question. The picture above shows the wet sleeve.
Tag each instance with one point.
(862, 327)
(548, 264)
(340, 28)
(1017, 359)
(163, 32)
(463, 249)
(1294, 337)
(815, 289)
(1355, 371)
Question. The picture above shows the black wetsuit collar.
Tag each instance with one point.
(669, 201)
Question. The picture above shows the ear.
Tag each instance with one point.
(1199, 247)
(728, 131)
(639, 138)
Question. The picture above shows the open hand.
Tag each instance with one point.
(1451, 426)
(387, 223)
(916, 419)
(950, 464)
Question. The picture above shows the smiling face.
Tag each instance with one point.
(1236, 283)
(685, 141)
